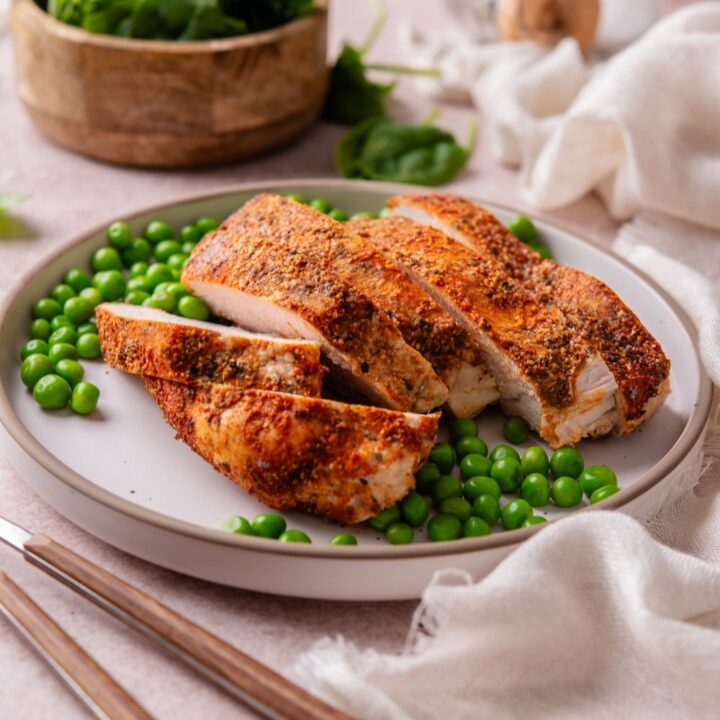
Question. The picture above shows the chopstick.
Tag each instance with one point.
(103, 696)
(264, 690)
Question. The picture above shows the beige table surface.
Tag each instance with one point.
(70, 194)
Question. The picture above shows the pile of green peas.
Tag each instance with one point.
(469, 506)
(138, 270)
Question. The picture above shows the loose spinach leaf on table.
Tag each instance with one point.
(383, 150)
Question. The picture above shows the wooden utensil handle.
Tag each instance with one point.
(87, 678)
(261, 687)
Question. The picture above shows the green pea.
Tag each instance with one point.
(515, 430)
(461, 428)
(473, 465)
(40, 329)
(447, 486)
(111, 284)
(338, 214)
(442, 456)
(514, 513)
(487, 507)
(34, 347)
(386, 212)
(92, 295)
(136, 297)
(177, 261)
(35, 367)
(176, 274)
(534, 460)
(601, 493)
(566, 492)
(119, 235)
(77, 279)
(566, 462)
(534, 520)
(157, 273)
(88, 346)
(343, 539)
(60, 351)
(139, 282)
(87, 328)
(475, 527)
(502, 451)
(414, 509)
(321, 205)
(268, 525)
(535, 489)
(480, 485)
(506, 472)
(138, 269)
(470, 446)
(188, 247)
(85, 398)
(444, 527)
(206, 225)
(385, 518)
(457, 506)
(363, 216)
(140, 250)
(157, 231)
(61, 321)
(399, 534)
(63, 335)
(52, 392)
(596, 476)
(107, 258)
(294, 536)
(189, 234)
(79, 309)
(177, 289)
(62, 293)
(541, 250)
(238, 525)
(294, 197)
(70, 370)
(426, 476)
(523, 228)
(47, 308)
(191, 307)
(166, 248)
(162, 300)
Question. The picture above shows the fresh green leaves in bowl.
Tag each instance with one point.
(176, 19)
(380, 149)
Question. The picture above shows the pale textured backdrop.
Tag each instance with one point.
(70, 194)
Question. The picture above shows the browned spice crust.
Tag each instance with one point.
(634, 357)
(291, 255)
(535, 337)
(296, 452)
(187, 354)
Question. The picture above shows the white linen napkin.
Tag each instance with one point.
(595, 617)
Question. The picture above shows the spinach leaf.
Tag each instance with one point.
(416, 154)
(351, 97)
(104, 16)
(67, 11)
(208, 21)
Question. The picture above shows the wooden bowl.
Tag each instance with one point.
(169, 104)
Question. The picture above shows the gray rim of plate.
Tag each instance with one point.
(77, 482)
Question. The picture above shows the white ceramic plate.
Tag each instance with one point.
(121, 475)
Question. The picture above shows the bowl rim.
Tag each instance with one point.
(80, 36)
(690, 435)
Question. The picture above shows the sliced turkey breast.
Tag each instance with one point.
(280, 267)
(343, 462)
(634, 357)
(147, 341)
(544, 370)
